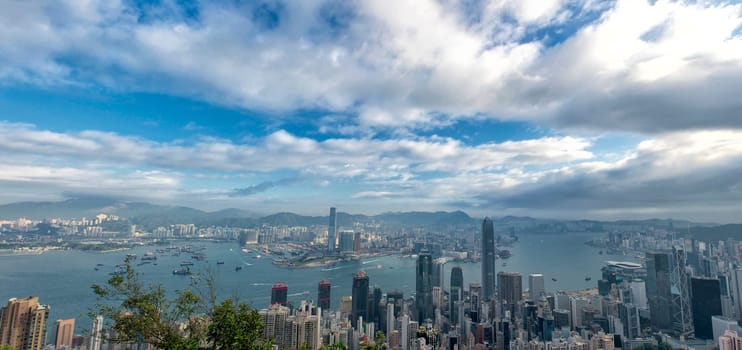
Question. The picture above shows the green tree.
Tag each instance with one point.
(236, 327)
(136, 313)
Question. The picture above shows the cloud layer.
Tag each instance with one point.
(694, 173)
(382, 81)
(630, 65)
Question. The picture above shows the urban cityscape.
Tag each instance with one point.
(676, 291)
(370, 175)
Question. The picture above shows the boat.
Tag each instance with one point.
(238, 268)
(220, 262)
(186, 263)
(131, 256)
(95, 268)
(257, 256)
(149, 256)
(588, 278)
(117, 273)
(198, 257)
(144, 263)
(182, 271)
(99, 265)
(553, 279)
(600, 252)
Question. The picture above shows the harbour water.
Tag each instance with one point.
(62, 279)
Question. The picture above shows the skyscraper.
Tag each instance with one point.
(658, 290)
(279, 293)
(323, 294)
(510, 288)
(706, 302)
(456, 294)
(96, 336)
(331, 228)
(424, 286)
(360, 298)
(536, 286)
(488, 259)
(23, 323)
(65, 332)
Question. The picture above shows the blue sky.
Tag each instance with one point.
(550, 108)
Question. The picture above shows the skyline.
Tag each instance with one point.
(560, 109)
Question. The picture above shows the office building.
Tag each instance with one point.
(360, 298)
(657, 284)
(324, 294)
(456, 293)
(475, 292)
(23, 323)
(510, 289)
(279, 293)
(488, 259)
(347, 246)
(65, 331)
(331, 229)
(706, 303)
(424, 287)
(536, 286)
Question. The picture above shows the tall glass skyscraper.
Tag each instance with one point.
(424, 286)
(658, 290)
(360, 298)
(331, 229)
(323, 294)
(457, 292)
(488, 259)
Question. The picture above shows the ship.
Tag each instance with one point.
(182, 271)
(149, 256)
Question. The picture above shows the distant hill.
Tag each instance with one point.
(149, 216)
(717, 233)
(70, 208)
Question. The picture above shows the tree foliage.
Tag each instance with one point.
(139, 313)
(236, 327)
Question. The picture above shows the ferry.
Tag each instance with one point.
(149, 256)
(182, 271)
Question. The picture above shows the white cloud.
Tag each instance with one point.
(406, 63)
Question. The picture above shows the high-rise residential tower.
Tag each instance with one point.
(331, 229)
(424, 287)
(488, 259)
(323, 294)
(65, 332)
(360, 298)
(96, 334)
(456, 293)
(23, 324)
